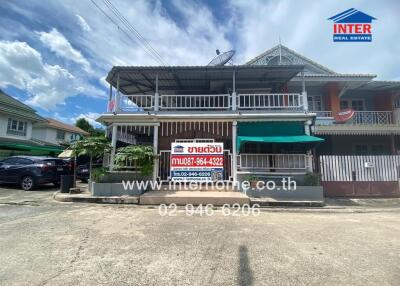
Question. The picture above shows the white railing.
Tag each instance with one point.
(195, 101)
(129, 165)
(322, 113)
(132, 103)
(372, 117)
(271, 101)
(364, 117)
(268, 162)
(267, 101)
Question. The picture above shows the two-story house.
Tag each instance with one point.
(275, 115)
(56, 132)
(264, 130)
(16, 122)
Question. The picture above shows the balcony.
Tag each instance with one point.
(359, 118)
(209, 102)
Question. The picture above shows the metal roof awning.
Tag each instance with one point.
(381, 85)
(142, 80)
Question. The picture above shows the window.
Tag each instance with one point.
(16, 127)
(377, 150)
(361, 149)
(10, 161)
(355, 104)
(314, 103)
(60, 135)
(23, 161)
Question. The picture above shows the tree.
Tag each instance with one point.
(92, 147)
(83, 124)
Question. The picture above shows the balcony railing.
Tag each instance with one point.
(207, 101)
(361, 117)
(264, 101)
(134, 103)
(270, 101)
(372, 117)
(270, 162)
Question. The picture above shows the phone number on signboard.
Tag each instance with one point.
(199, 161)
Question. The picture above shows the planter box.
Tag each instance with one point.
(113, 189)
(309, 193)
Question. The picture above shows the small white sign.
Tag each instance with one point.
(369, 164)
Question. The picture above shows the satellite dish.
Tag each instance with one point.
(222, 59)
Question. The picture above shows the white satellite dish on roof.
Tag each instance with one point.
(222, 59)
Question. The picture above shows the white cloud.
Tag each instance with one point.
(90, 117)
(49, 85)
(82, 23)
(58, 44)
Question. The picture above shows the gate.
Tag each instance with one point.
(360, 175)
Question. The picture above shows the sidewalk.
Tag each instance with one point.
(330, 204)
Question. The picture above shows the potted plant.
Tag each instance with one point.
(253, 181)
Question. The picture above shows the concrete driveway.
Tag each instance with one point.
(43, 242)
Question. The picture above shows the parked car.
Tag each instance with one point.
(82, 171)
(31, 171)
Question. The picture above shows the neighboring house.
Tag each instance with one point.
(265, 113)
(375, 126)
(56, 132)
(16, 121)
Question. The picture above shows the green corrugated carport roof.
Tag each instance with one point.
(31, 147)
(273, 132)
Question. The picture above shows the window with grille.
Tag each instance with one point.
(16, 127)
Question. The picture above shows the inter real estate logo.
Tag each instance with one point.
(352, 26)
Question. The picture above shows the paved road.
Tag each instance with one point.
(43, 242)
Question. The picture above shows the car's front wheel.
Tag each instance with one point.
(27, 183)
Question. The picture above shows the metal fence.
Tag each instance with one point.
(290, 162)
(360, 168)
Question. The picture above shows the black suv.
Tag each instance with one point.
(30, 171)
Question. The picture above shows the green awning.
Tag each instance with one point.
(32, 147)
(278, 139)
(273, 132)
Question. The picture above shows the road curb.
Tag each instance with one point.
(269, 203)
(61, 197)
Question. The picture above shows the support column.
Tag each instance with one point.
(109, 105)
(333, 99)
(304, 92)
(307, 125)
(113, 146)
(393, 145)
(156, 96)
(309, 158)
(234, 152)
(234, 96)
(155, 152)
(116, 103)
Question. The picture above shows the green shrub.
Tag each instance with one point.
(312, 179)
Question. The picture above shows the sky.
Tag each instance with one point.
(55, 54)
